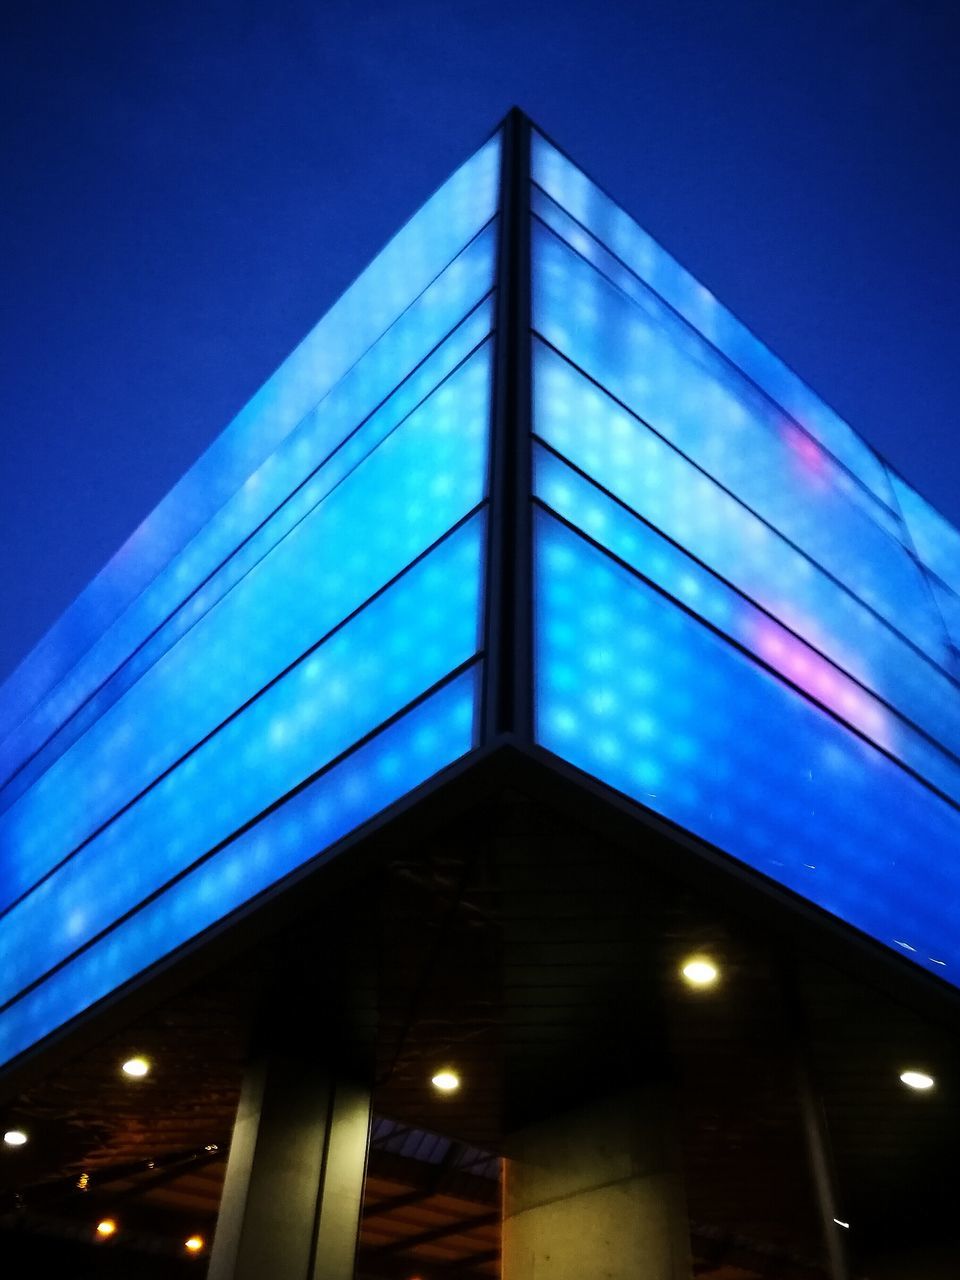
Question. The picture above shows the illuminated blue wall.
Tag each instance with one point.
(743, 620)
(287, 645)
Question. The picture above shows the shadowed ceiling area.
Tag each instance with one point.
(540, 958)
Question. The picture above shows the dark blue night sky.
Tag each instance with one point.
(188, 186)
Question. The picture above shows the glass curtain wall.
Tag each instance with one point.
(288, 644)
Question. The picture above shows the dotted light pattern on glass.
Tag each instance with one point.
(671, 568)
(424, 477)
(407, 753)
(574, 191)
(269, 502)
(398, 646)
(662, 370)
(419, 252)
(802, 446)
(652, 478)
(636, 692)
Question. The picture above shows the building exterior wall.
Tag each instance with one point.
(743, 617)
(288, 644)
(744, 621)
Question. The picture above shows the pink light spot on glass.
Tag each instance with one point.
(814, 675)
(806, 451)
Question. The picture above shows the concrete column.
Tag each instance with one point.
(596, 1194)
(294, 1183)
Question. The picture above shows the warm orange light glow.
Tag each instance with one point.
(106, 1228)
(193, 1243)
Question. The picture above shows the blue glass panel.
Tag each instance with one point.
(656, 481)
(638, 693)
(936, 541)
(948, 602)
(671, 568)
(644, 256)
(802, 445)
(419, 482)
(411, 750)
(419, 251)
(652, 362)
(236, 567)
(320, 433)
(402, 643)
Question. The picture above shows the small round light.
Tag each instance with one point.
(15, 1137)
(193, 1243)
(446, 1081)
(137, 1068)
(106, 1228)
(700, 971)
(917, 1079)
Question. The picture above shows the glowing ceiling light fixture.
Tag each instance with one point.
(15, 1137)
(193, 1244)
(106, 1228)
(700, 971)
(917, 1079)
(446, 1081)
(136, 1067)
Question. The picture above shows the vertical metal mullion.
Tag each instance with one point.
(508, 692)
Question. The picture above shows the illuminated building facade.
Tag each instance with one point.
(528, 511)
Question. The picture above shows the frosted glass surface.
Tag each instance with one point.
(937, 542)
(684, 580)
(801, 442)
(287, 645)
(574, 191)
(637, 692)
(329, 440)
(423, 478)
(418, 253)
(948, 602)
(401, 644)
(656, 481)
(391, 764)
(662, 372)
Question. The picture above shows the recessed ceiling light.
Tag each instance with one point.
(917, 1079)
(700, 971)
(15, 1137)
(446, 1081)
(106, 1228)
(193, 1243)
(137, 1068)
